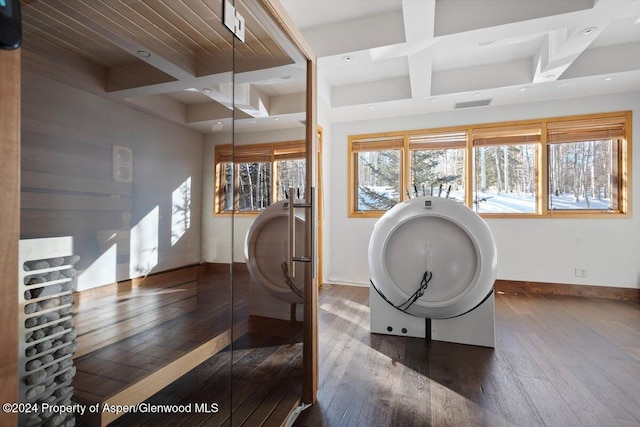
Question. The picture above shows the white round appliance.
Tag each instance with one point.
(266, 251)
(434, 240)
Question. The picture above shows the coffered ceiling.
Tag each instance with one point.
(382, 58)
(376, 58)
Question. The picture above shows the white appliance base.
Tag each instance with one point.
(384, 319)
(476, 327)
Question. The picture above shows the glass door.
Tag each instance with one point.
(125, 287)
(273, 218)
(166, 213)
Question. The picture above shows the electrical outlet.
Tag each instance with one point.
(580, 272)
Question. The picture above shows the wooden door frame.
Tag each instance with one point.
(9, 227)
(320, 204)
(310, 340)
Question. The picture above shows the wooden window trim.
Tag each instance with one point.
(368, 143)
(537, 131)
(251, 153)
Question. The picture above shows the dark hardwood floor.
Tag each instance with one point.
(558, 361)
(255, 380)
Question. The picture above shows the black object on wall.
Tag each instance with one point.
(10, 24)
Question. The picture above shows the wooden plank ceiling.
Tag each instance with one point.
(147, 48)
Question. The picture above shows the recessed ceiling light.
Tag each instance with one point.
(347, 58)
(609, 78)
(525, 88)
(565, 84)
(588, 31)
(206, 90)
(219, 122)
(476, 94)
(370, 107)
(143, 54)
(433, 99)
(276, 119)
(550, 76)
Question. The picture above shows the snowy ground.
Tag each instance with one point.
(525, 203)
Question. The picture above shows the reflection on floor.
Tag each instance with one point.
(175, 331)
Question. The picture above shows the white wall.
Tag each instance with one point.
(76, 130)
(539, 250)
(166, 157)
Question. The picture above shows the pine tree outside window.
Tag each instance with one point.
(376, 163)
(438, 164)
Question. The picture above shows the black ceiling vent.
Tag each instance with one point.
(470, 104)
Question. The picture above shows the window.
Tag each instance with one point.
(437, 164)
(504, 179)
(376, 166)
(584, 164)
(291, 170)
(261, 175)
(570, 167)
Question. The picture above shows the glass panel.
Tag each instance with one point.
(378, 174)
(291, 174)
(268, 309)
(438, 173)
(505, 178)
(226, 184)
(120, 101)
(254, 186)
(580, 175)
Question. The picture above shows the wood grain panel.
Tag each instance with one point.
(180, 36)
(147, 337)
(9, 227)
(48, 28)
(156, 381)
(116, 313)
(38, 180)
(167, 278)
(143, 319)
(539, 288)
(74, 202)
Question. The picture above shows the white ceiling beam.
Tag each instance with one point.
(419, 17)
(273, 75)
(420, 70)
(174, 86)
(559, 49)
(251, 100)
